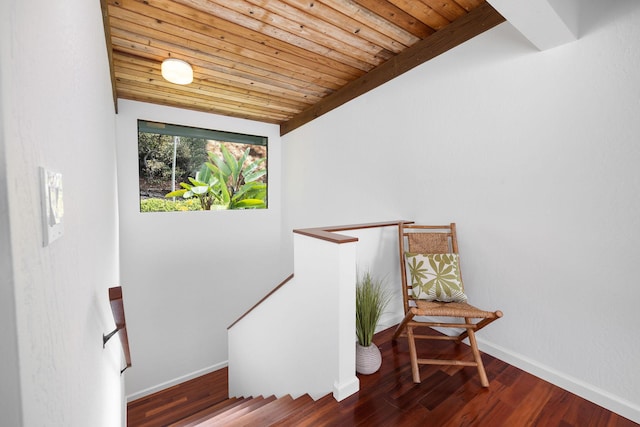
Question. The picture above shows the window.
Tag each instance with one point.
(184, 168)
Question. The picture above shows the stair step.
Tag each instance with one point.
(227, 417)
(260, 411)
(313, 413)
(209, 412)
(177, 402)
(274, 411)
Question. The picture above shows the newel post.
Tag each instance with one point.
(347, 382)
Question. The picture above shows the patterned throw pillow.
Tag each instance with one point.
(435, 277)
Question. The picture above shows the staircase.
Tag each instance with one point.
(261, 411)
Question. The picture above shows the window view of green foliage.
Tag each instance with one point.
(184, 173)
(227, 182)
(155, 157)
(163, 205)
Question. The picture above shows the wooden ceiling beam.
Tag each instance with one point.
(465, 28)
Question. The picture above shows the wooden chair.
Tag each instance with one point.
(431, 239)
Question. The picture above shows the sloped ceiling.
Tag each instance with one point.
(279, 61)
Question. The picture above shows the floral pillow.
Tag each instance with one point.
(435, 277)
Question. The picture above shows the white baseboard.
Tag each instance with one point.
(346, 389)
(587, 391)
(142, 393)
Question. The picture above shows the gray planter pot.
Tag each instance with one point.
(368, 359)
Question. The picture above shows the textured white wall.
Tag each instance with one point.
(10, 401)
(57, 112)
(534, 155)
(189, 275)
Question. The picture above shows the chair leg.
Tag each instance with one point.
(407, 318)
(413, 354)
(476, 355)
(481, 324)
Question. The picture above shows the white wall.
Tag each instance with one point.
(377, 253)
(534, 155)
(186, 276)
(57, 112)
(10, 402)
(276, 351)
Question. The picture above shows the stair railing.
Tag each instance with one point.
(300, 339)
(117, 308)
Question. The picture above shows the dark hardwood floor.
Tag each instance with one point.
(447, 397)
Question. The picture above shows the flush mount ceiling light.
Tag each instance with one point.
(177, 71)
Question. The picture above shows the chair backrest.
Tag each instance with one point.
(428, 239)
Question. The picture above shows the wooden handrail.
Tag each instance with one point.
(117, 307)
(260, 302)
(329, 234)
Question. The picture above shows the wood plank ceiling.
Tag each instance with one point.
(279, 61)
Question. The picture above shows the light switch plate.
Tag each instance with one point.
(52, 205)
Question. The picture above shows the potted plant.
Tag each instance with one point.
(371, 300)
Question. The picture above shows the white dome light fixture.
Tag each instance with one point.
(177, 71)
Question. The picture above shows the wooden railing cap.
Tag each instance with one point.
(330, 234)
